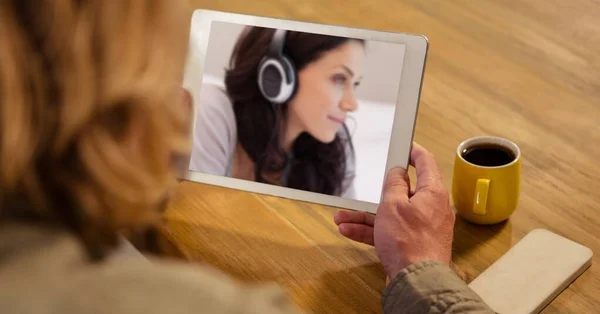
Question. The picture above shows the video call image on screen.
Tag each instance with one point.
(301, 110)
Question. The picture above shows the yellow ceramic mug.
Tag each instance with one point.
(486, 181)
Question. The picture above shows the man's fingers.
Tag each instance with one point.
(355, 217)
(428, 175)
(357, 232)
(397, 184)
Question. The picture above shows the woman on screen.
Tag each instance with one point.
(280, 116)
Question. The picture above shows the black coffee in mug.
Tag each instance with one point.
(488, 155)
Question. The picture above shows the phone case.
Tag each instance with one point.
(532, 273)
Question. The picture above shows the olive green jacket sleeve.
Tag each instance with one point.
(430, 287)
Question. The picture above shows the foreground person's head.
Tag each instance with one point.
(91, 113)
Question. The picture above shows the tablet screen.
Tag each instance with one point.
(301, 110)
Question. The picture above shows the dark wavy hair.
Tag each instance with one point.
(315, 166)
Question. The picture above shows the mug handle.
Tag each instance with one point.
(481, 194)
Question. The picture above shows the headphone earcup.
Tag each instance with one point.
(277, 79)
(292, 85)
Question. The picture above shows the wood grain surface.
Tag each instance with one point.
(525, 70)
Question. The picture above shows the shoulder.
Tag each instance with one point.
(215, 129)
(164, 287)
(215, 118)
(213, 101)
(52, 275)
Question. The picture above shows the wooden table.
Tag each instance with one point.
(525, 70)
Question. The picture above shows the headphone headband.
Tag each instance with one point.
(277, 43)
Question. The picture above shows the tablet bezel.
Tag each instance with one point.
(407, 103)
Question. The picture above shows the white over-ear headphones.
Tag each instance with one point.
(276, 73)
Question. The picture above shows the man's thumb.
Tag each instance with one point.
(397, 183)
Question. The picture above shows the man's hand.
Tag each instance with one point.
(409, 226)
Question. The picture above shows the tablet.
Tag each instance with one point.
(304, 111)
